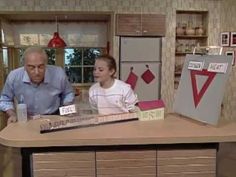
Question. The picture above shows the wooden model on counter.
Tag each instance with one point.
(63, 123)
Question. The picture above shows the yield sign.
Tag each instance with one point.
(197, 95)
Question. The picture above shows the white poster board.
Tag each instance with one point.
(201, 88)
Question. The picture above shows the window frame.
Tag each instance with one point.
(82, 66)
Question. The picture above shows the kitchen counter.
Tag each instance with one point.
(175, 133)
(173, 129)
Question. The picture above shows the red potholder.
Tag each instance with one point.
(148, 76)
(132, 79)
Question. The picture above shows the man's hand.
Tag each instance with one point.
(11, 116)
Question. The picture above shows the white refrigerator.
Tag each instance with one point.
(140, 65)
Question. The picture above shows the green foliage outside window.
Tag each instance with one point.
(79, 64)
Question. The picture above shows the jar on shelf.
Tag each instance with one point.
(184, 26)
(187, 48)
(179, 47)
(179, 30)
(199, 31)
(192, 47)
(190, 30)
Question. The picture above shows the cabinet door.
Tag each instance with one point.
(153, 25)
(60, 164)
(128, 25)
(186, 163)
(126, 163)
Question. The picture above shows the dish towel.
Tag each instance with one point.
(132, 79)
(148, 76)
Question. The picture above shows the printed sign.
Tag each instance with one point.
(195, 65)
(64, 110)
(217, 67)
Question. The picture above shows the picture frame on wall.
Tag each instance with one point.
(231, 53)
(225, 39)
(233, 39)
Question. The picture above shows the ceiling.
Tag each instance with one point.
(51, 16)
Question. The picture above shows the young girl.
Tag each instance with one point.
(110, 95)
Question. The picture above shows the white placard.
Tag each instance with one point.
(64, 110)
(217, 67)
(195, 65)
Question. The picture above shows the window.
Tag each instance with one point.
(51, 56)
(79, 63)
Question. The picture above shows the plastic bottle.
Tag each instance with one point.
(21, 110)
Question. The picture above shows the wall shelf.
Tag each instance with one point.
(191, 37)
(189, 22)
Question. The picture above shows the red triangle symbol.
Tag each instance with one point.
(197, 96)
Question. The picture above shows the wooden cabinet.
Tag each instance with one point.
(164, 161)
(191, 31)
(140, 25)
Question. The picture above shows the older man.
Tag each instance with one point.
(43, 88)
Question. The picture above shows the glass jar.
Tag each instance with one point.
(179, 47)
(199, 31)
(190, 30)
(179, 30)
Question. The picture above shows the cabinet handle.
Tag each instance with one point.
(137, 31)
(145, 31)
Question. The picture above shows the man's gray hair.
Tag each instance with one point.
(35, 49)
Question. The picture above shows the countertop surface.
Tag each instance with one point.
(173, 129)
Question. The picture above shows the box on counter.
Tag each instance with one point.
(151, 110)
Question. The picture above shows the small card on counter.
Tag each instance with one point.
(65, 110)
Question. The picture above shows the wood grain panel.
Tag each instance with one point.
(226, 160)
(134, 154)
(186, 163)
(188, 175)
(186, 168)
(140, 163)
(10, 162)
(184, 160)
(66, 156)
(128, 24)
(186, 153)
(140, 25)
(126, 175)
(153, 25)
(60, 164)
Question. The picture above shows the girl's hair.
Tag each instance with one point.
(111, 62)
